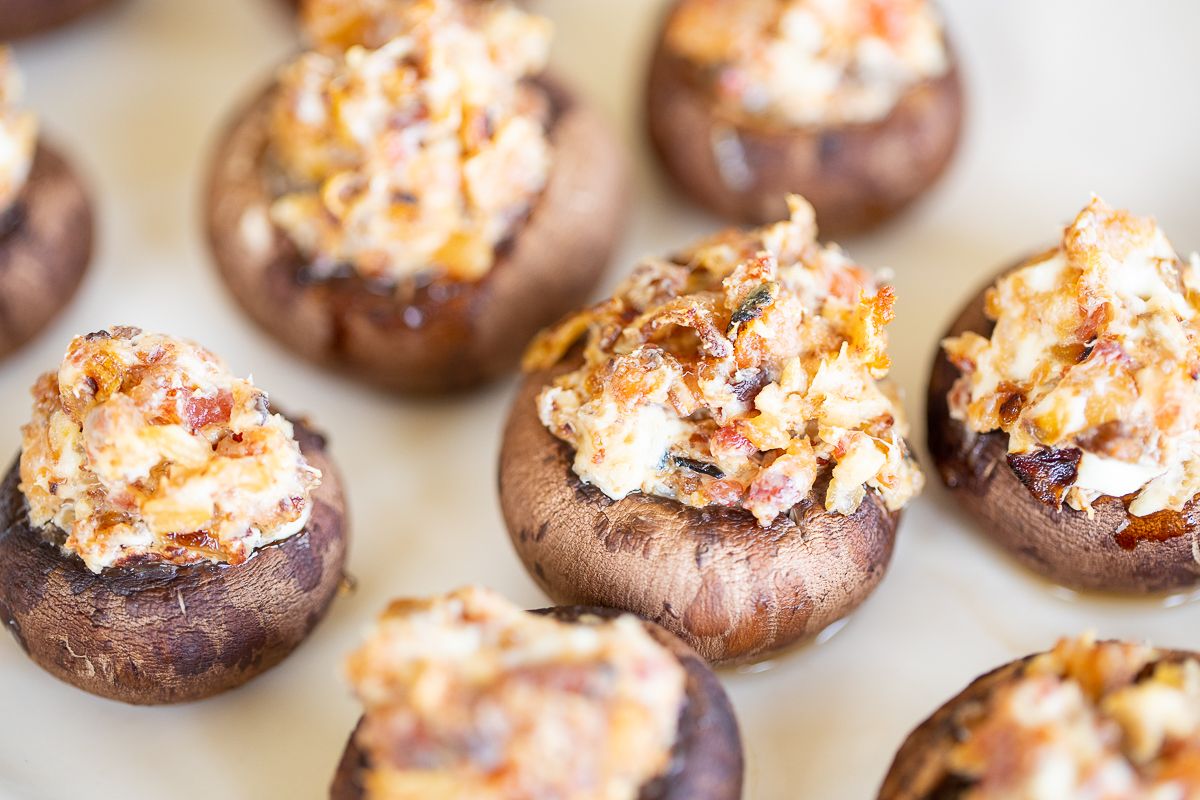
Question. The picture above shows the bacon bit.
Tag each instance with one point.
(748, 388)
(202, 411)
(883, 306)
(772, 490)
(882, 311)
(728, 442)
(849, 284)
(1094, 320)
(727, 493)
(631, 378)
(1012, 404)
(689, 312)
(196, 540)
(1047, 473)
(1109, 351)
(887, 20)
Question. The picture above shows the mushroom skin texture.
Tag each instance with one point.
(45, 247)
(857, 176)
(732, 590)
(20, 18)
(707, 760)
(919, 772)
(153, 635)
(1113, 551)
(437, 337)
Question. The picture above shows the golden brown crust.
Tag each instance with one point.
(856, 176)
(156, 635)
(732, 590)
(707, 759)
(19, 18)
(919, 770)
(1114, 551)
(45, 247)
(448, 335)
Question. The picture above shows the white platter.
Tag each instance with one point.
(1067, 97)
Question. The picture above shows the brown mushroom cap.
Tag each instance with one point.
(20, 18)
(734, 591)
(707, 758)
(920, 771)
(446, 335)
(856, 176)
(1113, 551)
(167, 634)
(45, 246)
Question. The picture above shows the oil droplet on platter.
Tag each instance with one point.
(831, 630)
(413, 317)
(755, 668)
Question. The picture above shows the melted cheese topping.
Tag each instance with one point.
(18, 132)
(741, 374)
(468, 696)
(410, 140)
(810, 62)
(1087, 720)
(1096, 349)
(145, 447)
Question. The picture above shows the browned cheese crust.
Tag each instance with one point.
(1113, 551)
(919, 771)
(20, 18)
(156, 635)
(45, 247)
(732, 590)
(856, 176)
(706, 762)
(448, 335)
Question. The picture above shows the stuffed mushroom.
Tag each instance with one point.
(1085, 720)
(19, 18)
(1064, 411)
(856, 105)
(714, 447)
(467, 695)
(414, 197)
(45, 221)
(164, 535)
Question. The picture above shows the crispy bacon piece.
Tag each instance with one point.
(202, 411)
(1047, 473)
(697, 312)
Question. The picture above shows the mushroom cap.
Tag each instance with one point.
(45, 247)
(707, 759)
(1113, 551)
(447, 335)
(20, 18)
(731, 589)
(919, 770)
(855, 175)
(166, 634)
